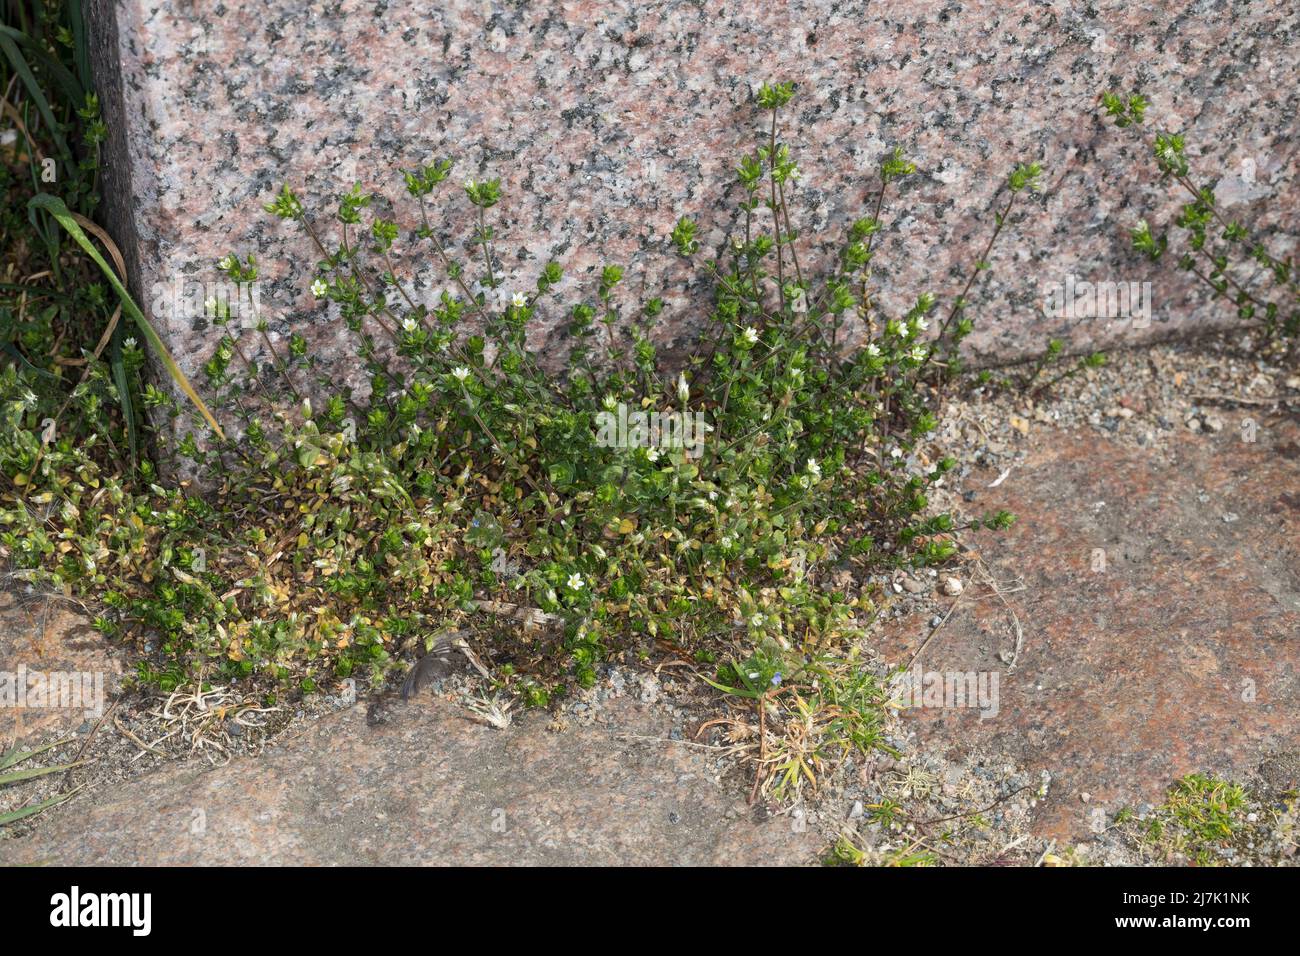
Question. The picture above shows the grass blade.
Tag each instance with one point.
(24, 72)
(35, 808)
(17, 756)
(31, 773)
(124, 394)
(68, 220)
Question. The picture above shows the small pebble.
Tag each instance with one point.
(952, 586)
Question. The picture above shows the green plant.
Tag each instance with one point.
(1217, 248)
(1031, 380)
(629, 507)
(1201, 816)
(9, 777)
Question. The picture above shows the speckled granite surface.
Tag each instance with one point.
(607, 121)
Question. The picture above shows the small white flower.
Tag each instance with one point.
(683, 390)
(814, 469)
(895, 452)
(550, 595)
(129, 342)
(750, 334)
(319, 288)
(610, 403)
(409, 324)
(894, 327)
(460, 373)
(575, 581)
(918, 353)
(756, 621)
(519, 300)
(652, 454)
(873, 350)
(726, 541)
(226, 262)
(920, 323)
(470, 184)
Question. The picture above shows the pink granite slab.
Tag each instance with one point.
(608, 121)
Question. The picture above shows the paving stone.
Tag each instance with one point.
(430, 787)
(1182, 655)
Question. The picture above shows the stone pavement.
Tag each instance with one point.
(429, 787)
(1179, 653)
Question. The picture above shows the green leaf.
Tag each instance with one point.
(55, 207)
(35, 808)
(24, 72)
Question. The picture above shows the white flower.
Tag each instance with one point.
(756, 621)
(726, 541)
(409, 324)
(895, 452)
(470, 184)
(519, 300)
(575, 581)
(920, 324)
(226, 262)
(319, 288)
(683, 390)
(652, 454)
(129, 342)
(873, 350)
(750, 334)
(814, 469)
(460, 373)
(918, 353)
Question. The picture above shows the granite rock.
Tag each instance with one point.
(608, 121)
(430, 788)
(1140, 637)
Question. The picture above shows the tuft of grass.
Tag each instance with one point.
(1201, 816)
